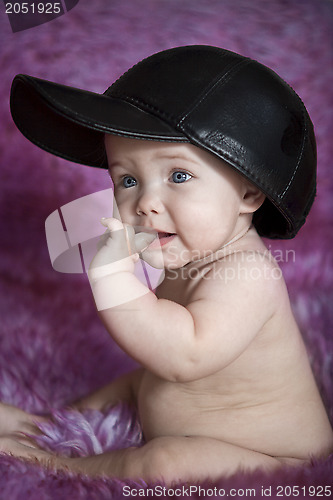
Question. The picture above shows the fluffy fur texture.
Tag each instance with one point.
(53, 347)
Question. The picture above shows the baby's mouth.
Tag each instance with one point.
(164, 235)
(162, 238)
(151, 239)
(165, 238)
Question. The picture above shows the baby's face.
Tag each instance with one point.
(192, 199)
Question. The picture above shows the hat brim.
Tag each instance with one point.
(71, 122)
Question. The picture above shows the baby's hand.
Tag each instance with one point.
(118, 249)
(14, 419)
(23, 447)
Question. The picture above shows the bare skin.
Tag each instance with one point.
(13, 420)
(225, 372)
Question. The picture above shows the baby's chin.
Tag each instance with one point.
(158, 260)
(154, 259)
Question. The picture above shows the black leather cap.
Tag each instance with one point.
(227, 104)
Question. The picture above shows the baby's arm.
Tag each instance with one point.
(186, 343)
(124, 388)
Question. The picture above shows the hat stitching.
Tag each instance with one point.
(144, 104)
(220, 82)
(230, 157)
(246, 167)
(55, 103)
(299, 155)
(72, 115)
(104, 127)
(230, 146)
(227, 74)
(226, 77)
(171, 117)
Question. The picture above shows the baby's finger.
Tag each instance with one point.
(112, 224)
(103, 239)
(130, 235)
(26, 440)
(116, 235)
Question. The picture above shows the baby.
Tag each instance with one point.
(208, 151)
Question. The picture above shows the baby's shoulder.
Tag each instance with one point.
(248, 265)
(244, 290)
(244, 273)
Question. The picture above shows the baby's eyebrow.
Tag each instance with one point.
(115, 164)
(178, 157)
(167, 156)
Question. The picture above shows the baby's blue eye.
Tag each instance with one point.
(180, 177)
(129, 181)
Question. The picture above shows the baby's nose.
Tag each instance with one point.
(149, 203)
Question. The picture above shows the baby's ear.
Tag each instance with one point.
(253, 198)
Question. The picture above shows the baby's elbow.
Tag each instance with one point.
(197, 367)
(185, 364)
(185, 370)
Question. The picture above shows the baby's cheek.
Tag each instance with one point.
(122, 210)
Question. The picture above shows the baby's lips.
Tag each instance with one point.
(142, 240)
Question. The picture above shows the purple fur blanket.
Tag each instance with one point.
(53, 347)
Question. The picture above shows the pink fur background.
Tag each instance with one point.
(53, 348)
